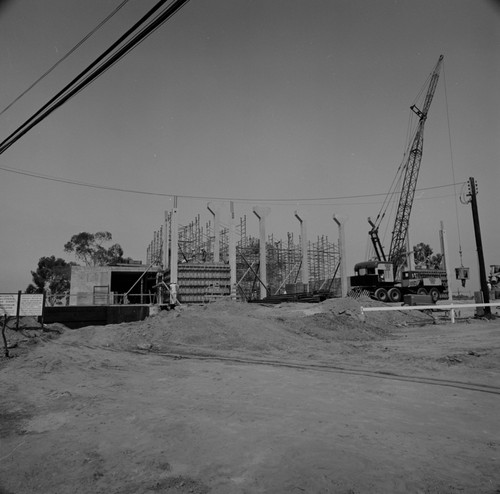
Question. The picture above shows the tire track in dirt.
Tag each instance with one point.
(469, 386)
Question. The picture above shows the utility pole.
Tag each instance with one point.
(447, 267)
(472, 193)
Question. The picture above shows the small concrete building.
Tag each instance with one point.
(110, 285)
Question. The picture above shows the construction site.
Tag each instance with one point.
(236, 360)
(203, 260)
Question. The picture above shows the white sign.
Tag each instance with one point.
(31, 304)
(8, 304)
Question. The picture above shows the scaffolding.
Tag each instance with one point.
(323, 258)
(154, 250)
(283, 258)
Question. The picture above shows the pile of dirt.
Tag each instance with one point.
(393, 318)
(227, 327)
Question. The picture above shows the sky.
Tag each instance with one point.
(293, 105)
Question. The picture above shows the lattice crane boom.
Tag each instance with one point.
(397, 249)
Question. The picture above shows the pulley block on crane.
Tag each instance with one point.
(462, 274)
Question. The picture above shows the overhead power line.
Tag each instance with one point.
(212, 198)
(127, 42)
(71, 51)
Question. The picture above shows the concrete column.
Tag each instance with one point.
(303, 248)
(215, 210)
(166, 241)
(262, 213)
(174, 254)
(444, 252)
(232, 251)
(343, 272)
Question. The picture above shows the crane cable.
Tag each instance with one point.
(452, 169)
(398, 177)
(70, 52)
(395, 187)
(94, 70)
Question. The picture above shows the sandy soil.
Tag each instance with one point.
(245, 398)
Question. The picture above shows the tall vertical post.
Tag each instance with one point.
(343, 271)
(472, 193)
(303, 248)
(232, 250)
(18, 309)
(174, 254)
(447, 266)
(166, 241)
(262, 213)
(215, 210)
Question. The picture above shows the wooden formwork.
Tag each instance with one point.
(201, 282)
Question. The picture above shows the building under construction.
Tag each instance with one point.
(212, 260)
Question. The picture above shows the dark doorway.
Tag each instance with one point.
(141, 290)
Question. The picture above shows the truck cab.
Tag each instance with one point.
(373, 272)
(370, 275)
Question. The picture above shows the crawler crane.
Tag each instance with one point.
(384, 277)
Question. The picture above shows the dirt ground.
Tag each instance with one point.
(247, 398)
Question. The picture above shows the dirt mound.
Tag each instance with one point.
(222, 327)
(391, 319)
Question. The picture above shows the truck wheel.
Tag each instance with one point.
(381, 294)
(394, 295)
(434, 293)
(421, 291)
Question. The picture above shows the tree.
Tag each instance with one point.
(88, 248)
(52, 275)
(422, 253)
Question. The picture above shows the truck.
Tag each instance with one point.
(380, 280)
